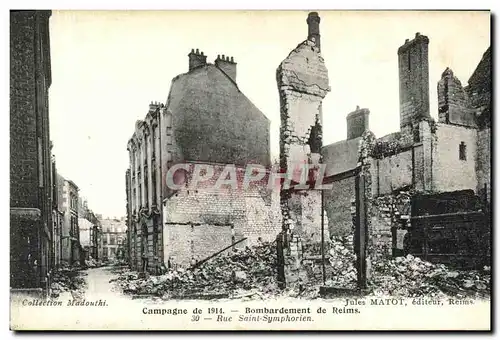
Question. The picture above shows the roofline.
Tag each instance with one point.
(225, 74)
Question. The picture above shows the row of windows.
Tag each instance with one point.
(73, 226)
(137, 191)
(113, 239)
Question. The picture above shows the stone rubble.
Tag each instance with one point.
(67, 279)
(251, 273)
(412, 277)
(91, 263)
(343, 261)
(240, 271)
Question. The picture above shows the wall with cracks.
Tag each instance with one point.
(302, 84)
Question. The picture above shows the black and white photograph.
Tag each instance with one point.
(250, 170)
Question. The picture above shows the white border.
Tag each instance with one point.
(189, 4)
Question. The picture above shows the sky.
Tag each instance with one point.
(107, 66)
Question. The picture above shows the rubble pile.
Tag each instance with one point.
(66, 279)
(342, 261)
(230, 274)
(411, 277)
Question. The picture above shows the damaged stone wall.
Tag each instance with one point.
(226, 214)
(302, 80)
(338, 204)
(302, 83)
(390, 211)
(483, 163)
(366, 148)
(393, 172)
(187, 242)
(479, 89)
(446, 158)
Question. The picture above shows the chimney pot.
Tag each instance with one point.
(225, 64)
(417, 34)
(313, 35)
(407, 41)
(196, 59)
(192, 50)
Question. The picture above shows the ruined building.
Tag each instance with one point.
(30, 157)
(206, 120)
(424, 156)
(302, 84)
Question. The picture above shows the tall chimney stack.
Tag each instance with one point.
(313, 21)
(413, 63)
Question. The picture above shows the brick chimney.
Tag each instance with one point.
(196, 59)
(153, 106)
(357, 123)
(313, 21)
(227, 65)
(413, 60)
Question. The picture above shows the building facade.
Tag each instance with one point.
(30, 157)
(57, 215)
(200, 123)
(70, 238)
(85, 227)
(96, 239)
(144, 194)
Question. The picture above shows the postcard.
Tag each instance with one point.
(250, 170)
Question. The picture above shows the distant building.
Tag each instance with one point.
(57, 215)
(90, 231)
(30, 157)
(96, 238)
(114, 237)
(70, 243)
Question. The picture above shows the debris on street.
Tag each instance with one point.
(251, 273)
(91, 263)
(251, 270)
(67, 279)
(343, 261)
(410, 276)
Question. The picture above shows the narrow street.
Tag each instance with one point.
(98, 285)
